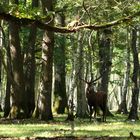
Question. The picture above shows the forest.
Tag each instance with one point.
(67, 62)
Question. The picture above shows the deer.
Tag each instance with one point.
(95, 99)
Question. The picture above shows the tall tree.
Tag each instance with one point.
(8, 81)
(30, 67)
(123, 105)
(105, 59)
(1, 44)
(60, 73)
(133, 115)
(9, 72)
(45, 96)
(18, 97)
(81, 98)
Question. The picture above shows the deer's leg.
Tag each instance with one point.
(105, 110)
(103, 116)
(91, 112)
(95, 112)
(104, 113)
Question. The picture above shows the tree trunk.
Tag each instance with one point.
(81, 98)
(1, 45)
(105, 60)
(133, 115)
(71, 83)
(123, 105)
(7, 99)
(60, 74)
(8, 84)
(30, 72)
(18, 97)
(30, 68)
(45, 99)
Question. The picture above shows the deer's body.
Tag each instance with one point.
(95, 100)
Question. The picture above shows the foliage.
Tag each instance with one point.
(25, 11)
(97, 12)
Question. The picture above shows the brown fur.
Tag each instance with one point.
(95, 100)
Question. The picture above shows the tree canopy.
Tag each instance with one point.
(20, 17)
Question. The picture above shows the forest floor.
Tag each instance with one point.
(73, 138)
(116, 128)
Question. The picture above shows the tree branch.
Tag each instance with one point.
(30, 22)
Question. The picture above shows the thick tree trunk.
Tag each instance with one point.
(133, 115)
(45, 96)
(30, 68)
(45, 111)
(18, 97)
(30, 72)
(60, 74)
(81, 98)
(105, 60)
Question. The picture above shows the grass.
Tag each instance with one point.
(114, 127)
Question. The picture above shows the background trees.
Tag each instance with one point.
(30, 54)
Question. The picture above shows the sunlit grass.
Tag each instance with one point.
(115, 127)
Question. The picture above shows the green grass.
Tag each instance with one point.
(114, 127)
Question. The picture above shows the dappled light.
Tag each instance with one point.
(69, 70)
(114, 127)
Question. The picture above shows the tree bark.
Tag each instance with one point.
(7, 99)
(45, 96)
(71, 83)
(1, 45)
(30, 68)
(133, 115)
(123, 105)
(8, 84)
(60, 73)
(105, 60)
(18, 97)
(81, 98)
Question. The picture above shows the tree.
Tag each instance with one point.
(1, 44)
(105, 16)
(105, 59)
(60, 72)
(133, 115)
(30, 67)
(45, 99)
(18, 97)
(81, 98)
(8, 81)
(123, 105)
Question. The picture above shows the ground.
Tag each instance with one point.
(69, 138)
(59, 129)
